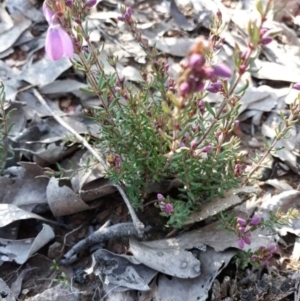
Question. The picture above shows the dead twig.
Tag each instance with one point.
(103, 234)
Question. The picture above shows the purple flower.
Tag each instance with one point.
(168, 208)
(207, 149)
(241, 243)
(272, 248)
(48, 13)
(214, 87)
(69, 3)
(194, 144)
(263, 31)
(222, 70)
(58, 43)
(90, 3)
(160, 197)
(128, 11)
(297, 86)
(196, 60)
(242, 229)
(247, 240)
(266, 40)
(184, 89)
(255, 220)
(241, 221)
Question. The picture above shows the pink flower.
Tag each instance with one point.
(90, 3)
(272, 248)
(222, 70)
(255, 220)
(266, 40)
(297, 86)
(194, 144)
(48, 13)
(168, 208)
(196, 60)
(214, 87)
(69, 3)
(160, 197)
(241, 221)
(58, 43)
(207, 148)
(241, 243)
(184, 89)
(247, 240)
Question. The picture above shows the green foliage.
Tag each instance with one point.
(61, 277)
(162, 128)
(5, 128)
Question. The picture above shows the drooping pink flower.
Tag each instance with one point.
(48, 13)
(58, 43)
(241, 243)
(247, 240)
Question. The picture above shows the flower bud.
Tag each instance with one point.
(184, 88)
(247, 240)
(212, 89)
(272, 248)
(222, 70)
(196, 60)
(160, 197)
(297, 86)
(194, 144)
(266, 40)
(168, 208)
(245, 54)
(242, 69)
(207, 149)
(255, 220)
(241, 221)
(241, 243)
(90, 3)
(69, 3)
(263, 31)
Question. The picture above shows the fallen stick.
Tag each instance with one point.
(104, 233)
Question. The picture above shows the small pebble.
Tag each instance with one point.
(254, 143)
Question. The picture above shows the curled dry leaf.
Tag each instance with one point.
(20, 250)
